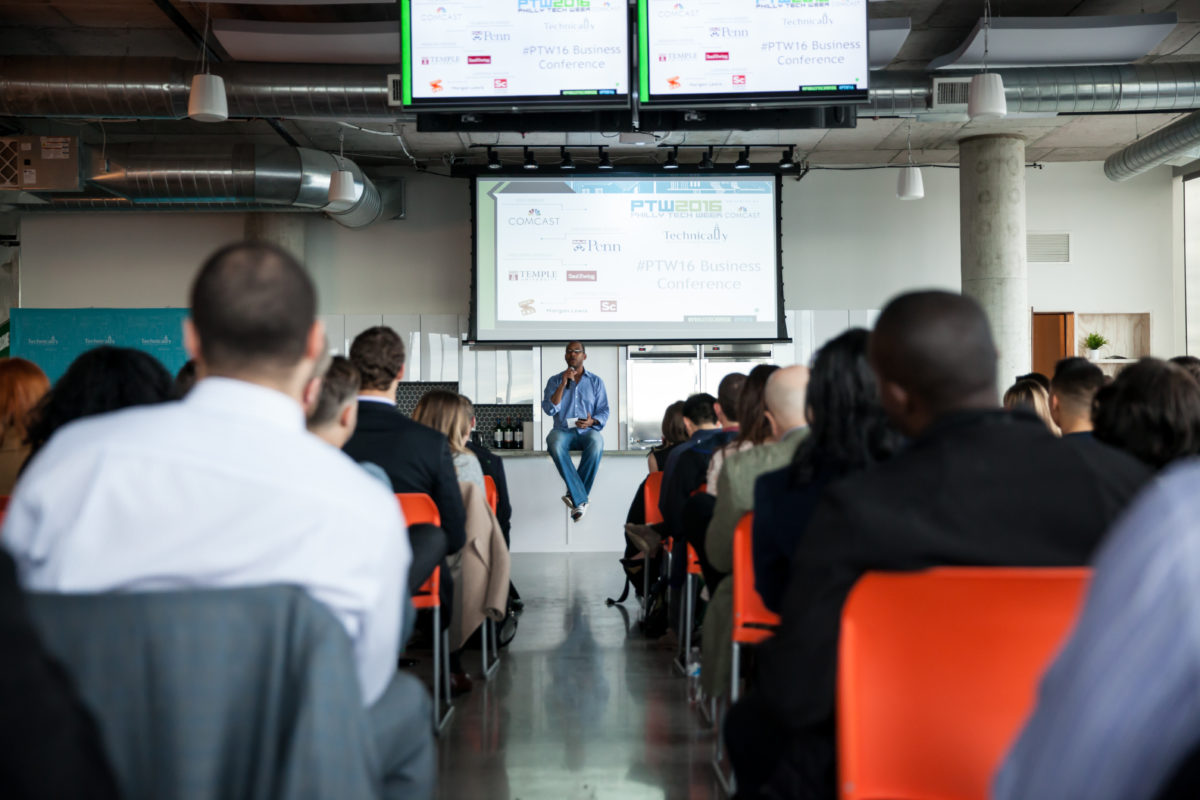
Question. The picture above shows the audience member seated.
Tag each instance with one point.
(754, 429)
(227, 489)
(977, 486)
(673, 433)
(704, 435)
(1074, 386)
(22, 386)
(416, 458)
(1151, 411)
(449, 414)
(784, 397)
(185, 379)
(50, 748)
(1028, 395)
(1116, 715)
(729, 402)
(493, 467)
(848, 432)
(98, 381)
(1036, 377)
(1191, 364)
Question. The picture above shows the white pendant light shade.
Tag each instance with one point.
(342, 188)
(910, 185)
(207, 103)
(985, 99)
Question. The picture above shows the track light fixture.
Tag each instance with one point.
(706, 160)
(672, 161)
(567, 161)
(743, 161)
(788, 159)
(605, 163)
(530, 161)
(493, 159)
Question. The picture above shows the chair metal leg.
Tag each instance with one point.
(645, 588)
(724, 777)
(488, 630)
(685, 633)
(441, 673)
(734, 673)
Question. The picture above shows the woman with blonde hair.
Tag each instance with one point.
(1029, 395)
(22, 386)
(450, 413)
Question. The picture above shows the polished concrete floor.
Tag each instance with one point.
(581, 707)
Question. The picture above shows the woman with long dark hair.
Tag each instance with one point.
(753, 427)
(848, 432)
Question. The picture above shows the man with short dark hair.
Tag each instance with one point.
(977, 486)
(415, 458)
(577, 400)
(227, 489)
(1074, 385)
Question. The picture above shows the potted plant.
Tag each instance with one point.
(1093, 342)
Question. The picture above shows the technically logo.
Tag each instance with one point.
(577, 275)
(489, 36)
(532, 275)
(479, 59)
(162, 340)
(583, 24)
(608, 306)
(526, 307)
(716, 56)
(106, 340)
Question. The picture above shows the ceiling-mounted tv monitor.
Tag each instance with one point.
(739, 53)
(480, 54)
(627, 258)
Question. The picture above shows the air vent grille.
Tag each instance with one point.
(395, 90)
(950, 93)
(1048, 248)
(10, 176)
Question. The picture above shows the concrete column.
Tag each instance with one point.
(283, 230)
(992, 235)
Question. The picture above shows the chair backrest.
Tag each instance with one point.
(493, 494)
(419, 509)
(231, 693)
(937, 671)
(653, 489)
(753, 622)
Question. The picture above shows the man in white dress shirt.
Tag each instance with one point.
(226, 488)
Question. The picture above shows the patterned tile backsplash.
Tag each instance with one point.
(487, 417)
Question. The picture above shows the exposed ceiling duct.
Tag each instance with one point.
(224, 177)
(149, 88)
(1180, 138)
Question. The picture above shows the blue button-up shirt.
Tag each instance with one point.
(583, 398)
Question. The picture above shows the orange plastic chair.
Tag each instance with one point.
(938, 670)
(420, 509)
(493, 494)
(753, 622)
(652, 490)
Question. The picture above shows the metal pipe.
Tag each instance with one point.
(1181, 137)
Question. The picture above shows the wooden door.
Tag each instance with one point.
(1053, 339)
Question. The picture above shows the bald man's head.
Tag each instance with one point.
(786, 398)
(933, 353)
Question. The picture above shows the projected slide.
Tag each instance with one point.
(562, 50)
(627, 259)
(761, 48)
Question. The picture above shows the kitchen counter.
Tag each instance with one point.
(529, 453)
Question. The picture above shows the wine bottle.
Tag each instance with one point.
(498, 436)
(509, 439)
(519, 433)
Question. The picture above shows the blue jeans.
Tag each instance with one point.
(560, 444)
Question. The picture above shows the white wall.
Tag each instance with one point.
(848, 243)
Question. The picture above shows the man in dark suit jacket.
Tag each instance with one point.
(976, 486)
(415, 458)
